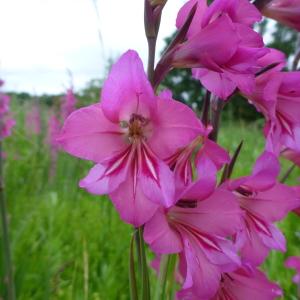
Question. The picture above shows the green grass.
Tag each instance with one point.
(68, 244)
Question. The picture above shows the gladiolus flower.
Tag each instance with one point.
(69, 104)
(264, 201)
(277, 96)
(197, 229)
(33, 120)
(6, 122)
(200, 160)
(128, 135)
(221, 47)
(53, 131)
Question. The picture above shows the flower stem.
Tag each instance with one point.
(163, 276)
(143, 266)
(287, 174)
(151, 58)
(132, 277)
(6, 244)
(217, 106)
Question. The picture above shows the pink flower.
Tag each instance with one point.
(69, 104)
(6, 124)
(197, 230)
(277, 97)
(53, 132)
(4, 103)
(264, 201)
(33, 120)
(294, 262)
(128, 135)
(201, 160)
(222, 48)
(246, 284)
(286, 12)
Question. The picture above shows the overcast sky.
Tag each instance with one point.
(41, 39)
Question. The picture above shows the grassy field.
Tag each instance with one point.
(68, 244)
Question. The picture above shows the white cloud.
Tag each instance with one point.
(40, 39)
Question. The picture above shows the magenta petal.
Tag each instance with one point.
(127, 90)
(219, 214)
(89, 135)
(276, 240)
(265, 172)
(254, 251)
(94, 182)
(176, 125)
(240, 11)
(202, 277)
(157, 180)
(162, 238)
(246, 285)
(98, 182)
(215, 153)
(131, 203)
(273, 204)
(273, 56)
(217, 83)
(197, 20)
(203, 49)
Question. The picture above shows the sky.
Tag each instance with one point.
(41, 39)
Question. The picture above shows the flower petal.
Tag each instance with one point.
(89, 135)
(176, 125)
(160, 236)
(127, 90)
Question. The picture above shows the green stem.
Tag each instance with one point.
(143, 267)
(132, 278)
(162, 279)
(6, 244)
(287, 174)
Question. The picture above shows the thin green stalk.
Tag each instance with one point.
(171, 284)
(144, 267)
(6, 244)
(132, 278)
(160, 292)
(287, 174)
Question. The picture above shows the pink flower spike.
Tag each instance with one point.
(293, 262)
(286, 12)
(53, 131)
(128, 135)
(6, 126)
(69, 104)
(33, 120)
(4, 103)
